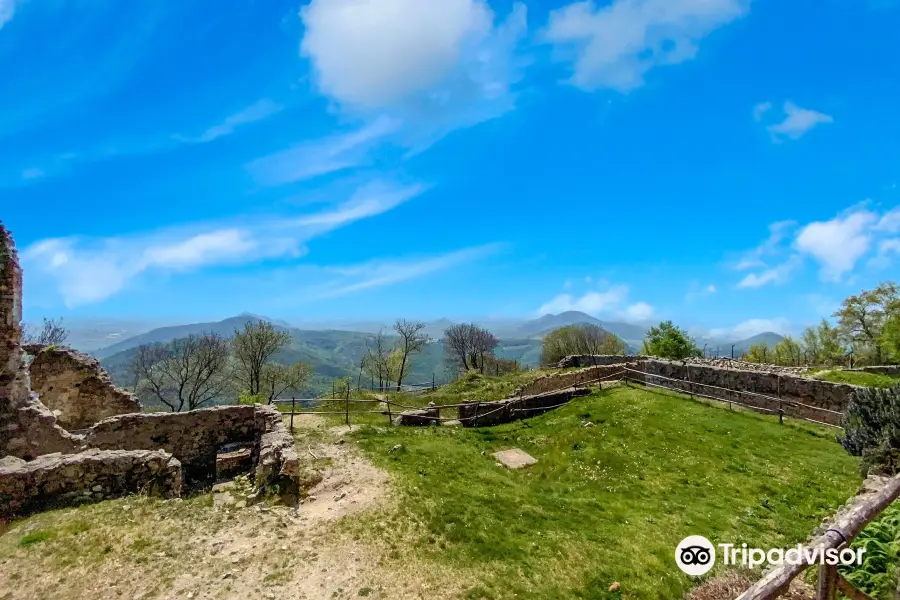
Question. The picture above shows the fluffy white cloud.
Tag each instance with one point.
(615, 45)
(611, 302)
(838, 244)
(797, 122)
(379, 53)
(84, 271)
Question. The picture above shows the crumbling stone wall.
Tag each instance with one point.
(555, 381)
(594, 360)
(75, 387)
(27, 428)
(56, 480)
(485, 414)
(195, 437)
(788, 387)
(879, 369)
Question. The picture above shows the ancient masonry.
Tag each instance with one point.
(75, 437)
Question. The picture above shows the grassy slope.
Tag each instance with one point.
(607, 503)
(858, 378)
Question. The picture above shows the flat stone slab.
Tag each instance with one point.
(514, 458)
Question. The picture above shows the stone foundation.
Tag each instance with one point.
(419, 418)
(578, 361)
(556, 381)
(75, 387)
(486, 414)
(57, 480)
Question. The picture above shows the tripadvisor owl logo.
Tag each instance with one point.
(695, 555)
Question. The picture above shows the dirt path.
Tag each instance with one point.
(139, 548)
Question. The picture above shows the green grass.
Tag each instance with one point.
(36, 537)
(607, 503)
(858, 378)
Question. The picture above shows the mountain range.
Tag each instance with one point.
(338, 351)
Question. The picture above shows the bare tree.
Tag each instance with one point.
(469, 344)
(253, 349)
(51, 334)
(184, 374)
(411, 342)
(377, 361)
(278, 379)
(483, 343)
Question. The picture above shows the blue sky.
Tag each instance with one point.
(729, 164)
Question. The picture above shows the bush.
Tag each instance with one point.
(671, 342)
(872, 429)
(251, 399)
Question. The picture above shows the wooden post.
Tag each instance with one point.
(333, 395)
(780, 406)
(293, 401)
(347, 406)
(387, 400)
(433, 387)
(826, 587)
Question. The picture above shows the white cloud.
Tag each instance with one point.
(889, 222)
(259, 111)
(797, 122)
(311, 159)
(84, 271)
(640, 311)
(760, 110)
(776, 274)
(381, 273)
(615, 45)
(611, 302)
(696, 291)
(7, 11)
(752, 327)
(886, 248)
(838, 244)
(437, 65)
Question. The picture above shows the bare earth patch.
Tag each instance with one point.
(213, 546)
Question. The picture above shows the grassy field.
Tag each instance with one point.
(858, 378)
(606, 503)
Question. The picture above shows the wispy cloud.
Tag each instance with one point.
(320, 157)
(615, 45)
(696, 291)
(85, 270)
(7, 11)
(796, 123)
(259, 111)
(383, 273)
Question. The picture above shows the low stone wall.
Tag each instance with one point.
(56, 480)
(556, 381)
(596, 360)
(419, 418)
(75, 387)
(195, 437)
(746, 366)
(485, 414)
(791, 388)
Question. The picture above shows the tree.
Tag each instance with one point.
(890, 338)
(812, 346)
(583, 339)
(788, 352)
(758, 353)
(862, 317)
(411, 342)
(668, 341)
(469, 345)
(277, 379)
(184, 374)
(377, 361)
(253, 348)
(51, 334)
(833, 350)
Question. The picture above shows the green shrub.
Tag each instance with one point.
(248, 398)
(877, 576)
(872, 429)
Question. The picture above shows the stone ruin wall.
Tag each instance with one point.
(75, 387)
(878, 369)
(578, 361)
(42, 465)
(788, 383)
(57, 480)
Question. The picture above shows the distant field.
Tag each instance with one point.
(607, 503)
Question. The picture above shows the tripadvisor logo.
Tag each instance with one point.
(695, 555)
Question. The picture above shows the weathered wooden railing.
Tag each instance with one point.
(876, 494)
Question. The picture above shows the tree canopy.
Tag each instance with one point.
(582, 339)
(669, 341)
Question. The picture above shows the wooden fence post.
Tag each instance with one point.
(332, 391)
(387, 400)
(780, 405)
(826, 586)
(293, 401)
(347, 406)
